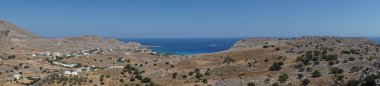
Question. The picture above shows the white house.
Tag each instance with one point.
(57, 54)
(92, 68)
(71, 73)
(116, 67)
(17, 76)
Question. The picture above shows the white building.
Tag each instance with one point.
(71, 73)
(57, 54)
(65, 65)
(17, 76)
(92, 68)
(116, 67)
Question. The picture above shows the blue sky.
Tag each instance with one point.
(194, 18)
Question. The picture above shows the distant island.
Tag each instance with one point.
(27, 59)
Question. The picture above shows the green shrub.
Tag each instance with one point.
(174, 75)
(351, 59)
(353, 83)
(251, 84)
(370, 79)
(283, 77)
(276, 66)
(146, 80)
(336, 70)
(340, 77)
(204, 81)
(276, 84)
(332, 57)
(184, 76)
(228, 60)
(355, 68)
(300, 76)
(316, 74)
(305, 81)
(198, 76)
(309, 69)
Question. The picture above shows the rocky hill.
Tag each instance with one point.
(309, 60)
(8, 29)
(14, 39)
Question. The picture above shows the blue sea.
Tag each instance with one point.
(186, 46)
(376, 39)
(192, 46)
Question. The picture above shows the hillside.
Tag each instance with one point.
(8, 29)
(320, 60)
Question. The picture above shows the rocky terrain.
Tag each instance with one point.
(27, 59)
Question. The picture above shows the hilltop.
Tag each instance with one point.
(90, 60)
(8, 29)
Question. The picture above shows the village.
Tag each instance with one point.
(71, 69)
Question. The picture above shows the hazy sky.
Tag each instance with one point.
(194, 18)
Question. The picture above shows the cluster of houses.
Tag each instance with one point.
(71, 72)
(136, 49)
(89, 52)
(64, 65)
(141, 50)
(76, 72)
(70, 54)
(115, 67)
(42, 54)
(15, 78)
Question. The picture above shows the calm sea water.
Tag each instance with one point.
(186, 46)
(193, 46)
(376, 39)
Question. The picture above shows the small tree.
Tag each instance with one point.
(353, 83)
(336, 70)
(190, 73)
(228, 60)
(174, 75)
(146, 80)
(276, 66)
(11, 56)
(184, 76)
(330, 57)
(316, 74)
(90, 81)
(300, 76)
(370, 79)
(276, 84)
(251, 84)
(339, 77)
(283, 77)
(204, 81)
(309, 69)
(132, 79)
(305, 81)
(277, 49)
(198, 76)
